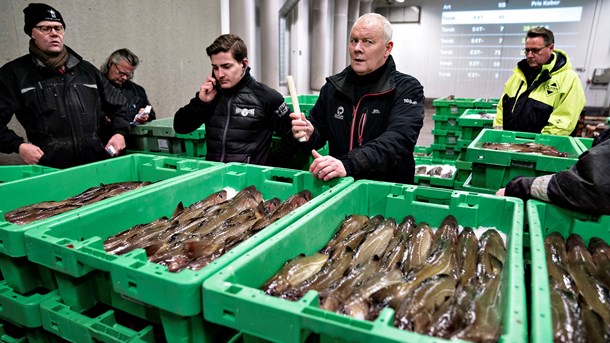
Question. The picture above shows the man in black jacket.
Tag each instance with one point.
(585, 187)
(239, 113)
(369, 113)
(58, 98)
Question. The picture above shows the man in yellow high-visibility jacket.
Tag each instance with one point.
(544, 94)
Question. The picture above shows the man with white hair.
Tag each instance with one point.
(370, 113)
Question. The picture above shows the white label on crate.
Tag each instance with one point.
(163, 144)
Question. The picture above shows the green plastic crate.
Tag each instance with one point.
(232, 297)
(73, 326)
(447, 123)
(445, 151)
(422, 151)
(23, 310)
(476, 153)
(19, 172)
(543, 219)
(159, 136)
(468, 186)
(486, 103)
(66, 183)
(24, 276)
(472, 123)
(75, 245)
(306, 102)
(12, 333)
(444, 137)
(436, 181)
(585, 143)
(454, 107)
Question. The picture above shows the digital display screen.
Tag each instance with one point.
(483, 41)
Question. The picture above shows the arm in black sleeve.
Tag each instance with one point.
(9, 140)
(114, 105)
(191, 116)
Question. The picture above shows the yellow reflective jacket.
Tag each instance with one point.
(551, 104)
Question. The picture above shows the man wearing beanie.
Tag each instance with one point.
(58, 98)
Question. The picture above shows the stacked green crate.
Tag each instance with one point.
(425, 176)
(73, 247)
(493, 169)
(158, 136)
(306, 102)
(446, 129)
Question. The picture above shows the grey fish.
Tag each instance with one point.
(294, 273)
(349, 225)
(375, 242)
(526, 148)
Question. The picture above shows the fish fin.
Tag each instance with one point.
(178, 210)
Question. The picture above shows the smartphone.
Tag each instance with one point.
(217, 84)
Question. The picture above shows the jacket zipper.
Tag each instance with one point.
(361, 122)
(224, 132)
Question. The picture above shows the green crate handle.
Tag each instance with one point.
(525, 164)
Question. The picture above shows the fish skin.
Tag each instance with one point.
(290, 204)
(199, 207)
(567, 316)
(557, 263)
(358, 304)
(352, 241)
(492, 254)
(129, 240)
(294, 273)
(333, 297)
(453, 314)
(600, 252)
(415, 313)
(466, 255)
(395, 254)
(582, 269)
(348, 226)
(418, 247)
(376, 242)
(595, 330)
(333, 270)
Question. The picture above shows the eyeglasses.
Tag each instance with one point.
(534, 51)
(122, 73)
(46, 29)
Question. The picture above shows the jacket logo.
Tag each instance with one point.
(375, 111)
(409, 101)
(282, 110)
(552, 88)
(244, 111)
(339, 113)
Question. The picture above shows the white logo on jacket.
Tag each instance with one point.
(409, 101)
(339, 113)
(244, 111)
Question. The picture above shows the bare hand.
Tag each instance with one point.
(117, 141)
(141, 117)
(500, 192)
(326, 167)
(302, 129)
(30, 153)
(207, 92)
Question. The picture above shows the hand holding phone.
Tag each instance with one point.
(209, 88)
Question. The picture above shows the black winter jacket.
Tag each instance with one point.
(60, 112)
(585, 187)
(374, 136)
(239, 122)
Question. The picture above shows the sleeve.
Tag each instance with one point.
(114, 105)
(191, 116)
(9, 140)
(567, 109)
(499, 118)
(405, 121)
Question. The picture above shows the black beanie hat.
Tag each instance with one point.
(35, 13)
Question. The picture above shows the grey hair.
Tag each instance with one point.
(376, 18)
(117, 56)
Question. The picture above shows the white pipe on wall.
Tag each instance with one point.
(243, 24)
(320, 58)
(270, 53)
(341, 31)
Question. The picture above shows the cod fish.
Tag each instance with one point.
(567, 315)
(557, 263)
(600, 252)
(532, 148)
(466, 255)
(294, 272)
(351, 224)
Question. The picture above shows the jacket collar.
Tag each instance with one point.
(384, 83)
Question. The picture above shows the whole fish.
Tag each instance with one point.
(333, 270)
(349, 225)
(416, 312)
(466, 255)
(557, 263)
(294, 272)
(600, 252)
(333, 297)
(395, 253)
(375, 242)
(454, 314)
(492, 254)
(358, 304)
(595, 330)
(418, 246)
(196, 209)
(582, 269)
(290, 204)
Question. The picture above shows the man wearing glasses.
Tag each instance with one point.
(544, 94)
(58, 98)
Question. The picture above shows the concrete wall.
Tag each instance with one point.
(168, 36)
